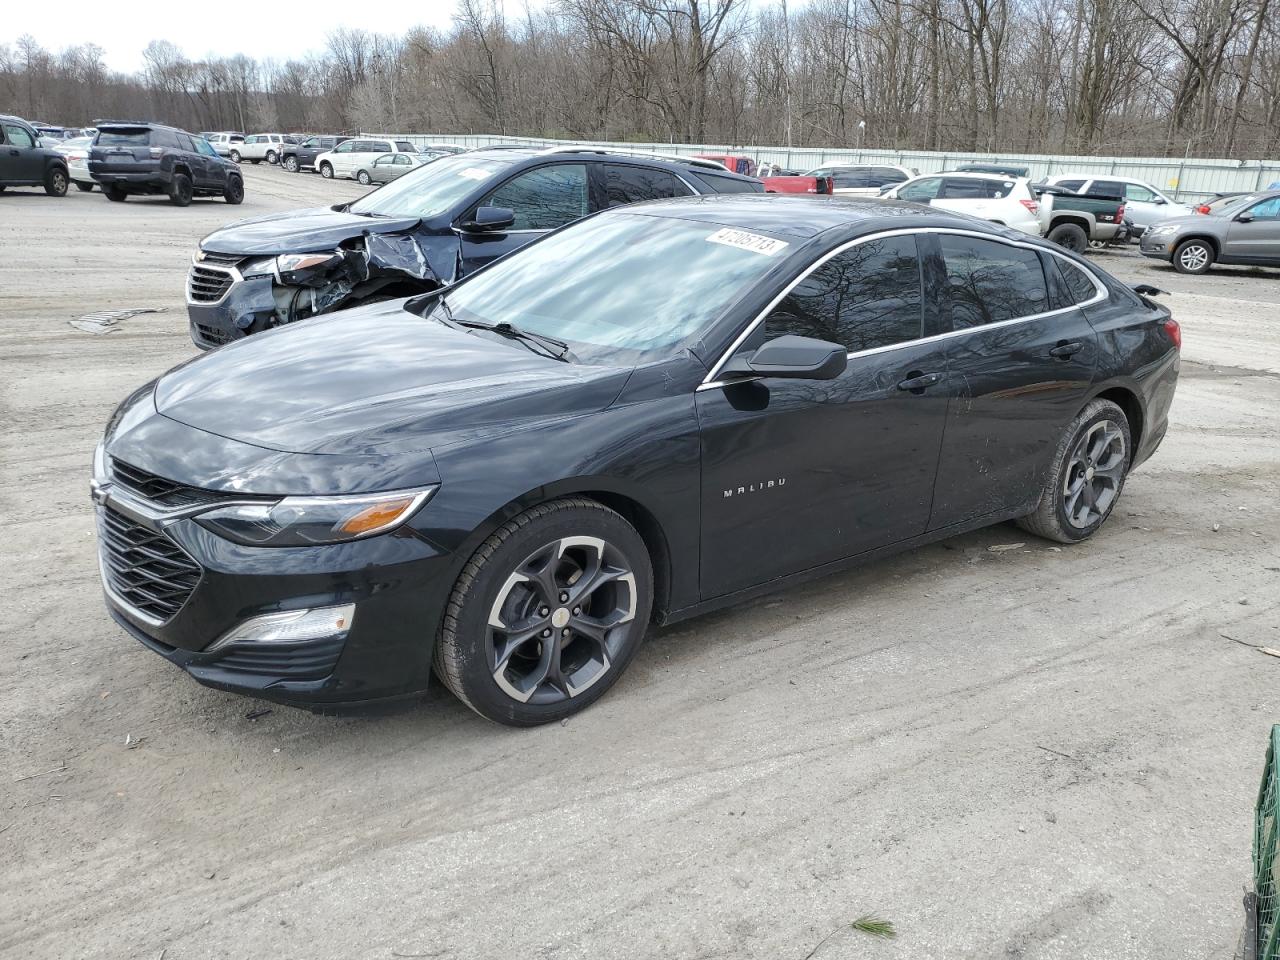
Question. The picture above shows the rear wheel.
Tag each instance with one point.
(1193, 256)
(547, 613)
(56, 182)
(1071, 236)
(115, 193)
(234, 155)
(271, 156)
(180, 191)
(291, 163)
(83, 187)
(234, 192)
(363, 178)
(1087, 475)
(326, 171)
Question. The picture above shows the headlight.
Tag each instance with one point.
(100, 475)
(287, 263)
(1162, 230)
(305, 521)
(261, 267)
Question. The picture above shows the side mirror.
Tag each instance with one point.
(1245, 218)
(796, 358)
(490, 218)
(1160, 201)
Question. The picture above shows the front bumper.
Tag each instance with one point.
(238, 309)
(1160, 248)
(398, 582)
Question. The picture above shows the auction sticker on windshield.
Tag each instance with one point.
(474, 173)
(745, 240)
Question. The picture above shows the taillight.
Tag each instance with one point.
(1203, 208)
(1174, 331)
(1031, 206)
(1120, 213)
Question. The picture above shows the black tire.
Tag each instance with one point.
(233, 193)
(233, 156)
(1071, 236)
(1193, 256)
(84, 187)
(291, 163)
(363, 178)
(560, 540)
(254, 162)
(326, 171)
(115, 193)
(1071, 506)
(56, 181)
(272, 157)
(180, 190)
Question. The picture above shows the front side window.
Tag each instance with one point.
(382, 161)
(17, 136)
(1266, 210)
(922, 191)
(614, 305)
(401, 160)
(206, 148)
(346, 146)
(989, 281)
(865, 297)
(544, 198)
(623, 185)
(1133, 191)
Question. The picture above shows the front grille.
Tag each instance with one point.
(207, 284)
(213, 335)
(220, 259)
(167, 493)
(144, 567)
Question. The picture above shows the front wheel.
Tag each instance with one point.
(56, 182)
(326, 171)
(1086, 477)
(363, 178)
(234, 192)
(291, 163)
(271, 156)
(547, 613)
(1193, 256)
(234, 155)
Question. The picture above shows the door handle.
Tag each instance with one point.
(1064, 350)
(917, 382)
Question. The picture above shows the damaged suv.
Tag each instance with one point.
(424, 230)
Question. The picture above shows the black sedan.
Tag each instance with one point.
(649, 414)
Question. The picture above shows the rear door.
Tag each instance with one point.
(1254, 233)
(542, 199)
(1021, 364)
(797, 473)
(617, 184)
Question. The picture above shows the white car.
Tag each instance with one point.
(224, 143)
(76, 151)
(347, 157)
(259, 147)
(862, 179)
(1004, 200)
(1143, 204)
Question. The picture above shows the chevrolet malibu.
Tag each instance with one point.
(655, 412)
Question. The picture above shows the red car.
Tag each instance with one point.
(736, 164)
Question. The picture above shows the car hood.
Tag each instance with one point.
(374, 380)
(1197, 221)
(298, 231)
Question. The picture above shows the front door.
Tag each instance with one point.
(19, 156)
(542, 199)
(1254, 233)
(1021, 366)
(797, 473)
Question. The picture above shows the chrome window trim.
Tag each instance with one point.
(710, 382)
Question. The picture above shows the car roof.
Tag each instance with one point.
(971, 175)
(804, 217)
(692, 165)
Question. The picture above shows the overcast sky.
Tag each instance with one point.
(259, 28)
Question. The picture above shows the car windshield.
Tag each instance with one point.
(124, 138)
(640, 285)
(432, 189)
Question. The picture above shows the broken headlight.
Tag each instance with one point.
(258, 267)
(305, 521)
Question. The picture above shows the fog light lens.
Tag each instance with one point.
(291, 626)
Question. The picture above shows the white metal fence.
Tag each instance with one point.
(1189, 179)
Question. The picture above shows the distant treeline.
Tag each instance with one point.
(1135, 77)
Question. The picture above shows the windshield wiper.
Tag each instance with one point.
(537, 342)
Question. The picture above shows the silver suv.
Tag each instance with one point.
(1247, 232)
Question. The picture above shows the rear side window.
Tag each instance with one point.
(963, 188)
(1070, 184)
(124, 138)
(623, 185)
(405, 146)
(728, 184)
(988, 281)
(544, 198)
(1106, 188)
(1078, 283)
(848, 179)
(882, 176)
(865, 297)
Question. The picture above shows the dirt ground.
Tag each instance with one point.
(1031, 753)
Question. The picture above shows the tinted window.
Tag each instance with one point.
(379, 146)
(404, 145)
(866, 297)
(1070, 184)
(1106, 188)
(624, 185)
(957, 188)
(544, 198)
(185, 142)
(124, 138)
(17, 136)
(988, 282)
(729, 185)
(850, 179)
(881, 176)
(922, 191)
(1078, 283)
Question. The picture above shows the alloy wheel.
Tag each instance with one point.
(559, 621)
(1094, 474)
(1193, 257)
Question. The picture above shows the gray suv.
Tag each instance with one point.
(1247, 232)
(24, 163)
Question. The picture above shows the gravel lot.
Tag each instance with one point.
(1031, 753)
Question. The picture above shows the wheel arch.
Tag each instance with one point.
(1130, 402)
(1066, 218)
(1208, 238)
